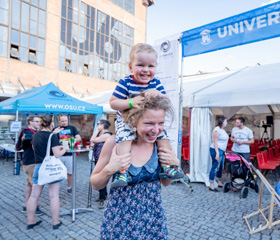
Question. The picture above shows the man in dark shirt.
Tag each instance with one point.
(28, 159)
(65, 136)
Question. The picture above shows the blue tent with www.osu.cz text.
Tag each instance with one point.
(47, 99)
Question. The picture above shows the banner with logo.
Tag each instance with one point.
(168, 72)
(252, 26)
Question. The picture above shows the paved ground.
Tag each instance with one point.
(198, 215)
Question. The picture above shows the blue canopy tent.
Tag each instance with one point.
(47, 99)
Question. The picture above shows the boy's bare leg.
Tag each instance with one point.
(164, 143)
(123, 147)
(167, 170)
(123, 178)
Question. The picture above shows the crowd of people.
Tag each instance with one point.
(33, 141)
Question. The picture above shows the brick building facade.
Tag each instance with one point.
(80, 46)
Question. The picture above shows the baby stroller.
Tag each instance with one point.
(241, 176)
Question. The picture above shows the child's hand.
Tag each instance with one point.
(152, 93)
(138, 100)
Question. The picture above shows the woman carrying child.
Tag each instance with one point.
(142, 65)
(135, 211)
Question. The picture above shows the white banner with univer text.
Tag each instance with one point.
(168, 73)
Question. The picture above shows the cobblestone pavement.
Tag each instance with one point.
(198, 215)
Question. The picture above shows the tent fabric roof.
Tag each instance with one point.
(250, 86)
(47, 99)
(102, 99)
(253, 87)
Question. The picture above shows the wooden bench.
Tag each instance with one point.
(275, 201)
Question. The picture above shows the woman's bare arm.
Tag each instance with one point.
(108, 164)
(58, 151)
(100, 139)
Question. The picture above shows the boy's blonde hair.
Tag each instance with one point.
(140, 47)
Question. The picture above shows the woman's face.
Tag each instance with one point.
(150, 125)
(100, 126)
(224, 123)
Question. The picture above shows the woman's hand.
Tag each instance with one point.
(118, 162)
(167, 157)
(217, 156)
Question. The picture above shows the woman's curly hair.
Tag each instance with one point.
(131, 116)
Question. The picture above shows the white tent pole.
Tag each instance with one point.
(179, 149)
(15, 161)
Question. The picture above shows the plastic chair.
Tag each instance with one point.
(186, 154)
(277, 153)
(262, 165)
(262, 143)
(257, 148)
(85, 143)
(267, 159)
(253, 152)
(272, 156)
(229, 146)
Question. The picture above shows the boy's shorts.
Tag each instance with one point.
(67, 161)
(29, 169)
(125, 133)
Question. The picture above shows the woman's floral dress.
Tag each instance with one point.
(135, 211)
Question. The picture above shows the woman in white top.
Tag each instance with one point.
(217, 149)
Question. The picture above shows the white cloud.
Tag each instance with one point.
(271, 1)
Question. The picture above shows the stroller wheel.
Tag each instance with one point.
(256, 187)
(226, 187)
(244, 192)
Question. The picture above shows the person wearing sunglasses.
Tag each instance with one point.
(97, 141)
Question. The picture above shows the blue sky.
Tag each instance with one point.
(168, 17)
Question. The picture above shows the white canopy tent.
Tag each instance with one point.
(101, 99)
(251, 90)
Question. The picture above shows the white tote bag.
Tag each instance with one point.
(52, 169)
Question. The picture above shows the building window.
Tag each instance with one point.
(68, 65)
(127, 5)
(86, 71)
(32, 57)
(4, 10)
(14, 52)
(28, 30)
(93, 41)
